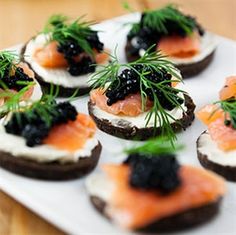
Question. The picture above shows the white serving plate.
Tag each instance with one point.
(66, 205)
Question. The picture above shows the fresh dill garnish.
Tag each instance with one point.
(8, 61)
(156, 146)
(12, 100)
(44, 106)
(107, 78)
(229, 107)
(159, 19)
(60, 29)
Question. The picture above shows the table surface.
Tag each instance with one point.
(20, 19)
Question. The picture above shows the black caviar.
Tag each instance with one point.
(144, 37)
(71, 49)
(128, 82)
(13, 81)
(151, 172)
(34, 128)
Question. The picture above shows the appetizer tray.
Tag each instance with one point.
(66, 204)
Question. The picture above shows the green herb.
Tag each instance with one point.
(107, 77)
(12, 99)
(45, 107)
(155, 146)
(61, 30)
(157, 20)
(8, 61)
(229, 107)
(127, 7)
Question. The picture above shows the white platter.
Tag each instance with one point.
(66, 205)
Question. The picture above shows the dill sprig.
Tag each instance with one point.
(157, 19)
(8, 61)
(156, 146)
(60, 29)
(45, 108)
(229, 107)
(12, 100)
(107, 76)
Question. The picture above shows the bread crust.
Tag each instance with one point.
(228, 172)
(131, 132)
(52, 170)
(183, 220)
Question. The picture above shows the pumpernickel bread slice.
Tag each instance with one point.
(180, 221)
(127, 131)
(53, 170)
(187, 70)
(227, 171)
(63, 91)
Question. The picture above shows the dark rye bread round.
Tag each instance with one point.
(180, 221)
(228, 172)
(53, 170)
(187, 70)
(124, 130)
(63, 91)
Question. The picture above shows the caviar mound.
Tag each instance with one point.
(50, 171)
(154, 172)
(125, 129)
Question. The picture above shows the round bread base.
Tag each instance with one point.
(132, 132)
(63, 91)
(180, 221)
(228, 172)
(53, 170)
(187, 70)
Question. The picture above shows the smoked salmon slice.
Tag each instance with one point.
(224, 136)
(49, 57)
(178, 46)
(214, 117)
(133, 208)
(72, 135)
(229, 90)
(130, 106)
(210, 113)
(2, 100)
